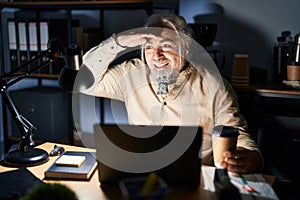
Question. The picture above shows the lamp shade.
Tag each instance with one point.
(75, 77)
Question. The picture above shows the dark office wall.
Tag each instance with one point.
(1, 132)
(247, 26)
(46, 108)
(261, 21)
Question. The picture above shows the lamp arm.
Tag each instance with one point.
(12, 74)
(15, 76)
(26, 128)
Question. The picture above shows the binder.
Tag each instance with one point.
(12, 43)
(43, 42)
(44, 35)
(51, 29)
(23, 46)
(30, 37)
(33, 41)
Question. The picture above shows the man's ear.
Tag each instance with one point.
(187, 51)
(187, 48)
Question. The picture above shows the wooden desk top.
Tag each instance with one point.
(91, 190)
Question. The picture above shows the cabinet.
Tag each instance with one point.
(65, 10)
(273, 114)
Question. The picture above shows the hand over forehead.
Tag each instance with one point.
(135, 37)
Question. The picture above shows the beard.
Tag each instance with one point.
(164, 78)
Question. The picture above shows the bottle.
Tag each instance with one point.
(293, 68)
(290, 43)
(280, 59)
(296, 50)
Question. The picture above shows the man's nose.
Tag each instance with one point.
(157, 53)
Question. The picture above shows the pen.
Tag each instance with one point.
(149, 184)
(246, 186)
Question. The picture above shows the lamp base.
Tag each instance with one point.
(32, 157)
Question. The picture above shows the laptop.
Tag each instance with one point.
(126, 151)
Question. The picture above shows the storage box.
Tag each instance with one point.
(131, 189)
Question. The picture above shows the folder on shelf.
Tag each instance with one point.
(12, 43)
(29, 37)
(33, 41)
(43, 42)
(51, 29)
(44, 35)
(23, 47)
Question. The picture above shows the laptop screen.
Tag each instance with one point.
(173, 152)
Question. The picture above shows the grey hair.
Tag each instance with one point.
(173, 22)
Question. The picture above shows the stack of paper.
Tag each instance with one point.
(256, 181)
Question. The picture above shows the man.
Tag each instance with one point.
(173, 83)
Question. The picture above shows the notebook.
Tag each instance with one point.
(125, 151)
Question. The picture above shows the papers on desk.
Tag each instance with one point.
(257, 181)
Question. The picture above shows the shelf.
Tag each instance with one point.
(112, 4)
(39, 7)
(68, 6)
(41, 75)
(82, 2)
(46, 76)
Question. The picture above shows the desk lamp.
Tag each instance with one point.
(26, 154)
(75, 76)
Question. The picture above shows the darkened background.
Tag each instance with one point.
(248, 27)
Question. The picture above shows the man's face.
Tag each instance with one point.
(164, 52)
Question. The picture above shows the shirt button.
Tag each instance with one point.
(112, 47)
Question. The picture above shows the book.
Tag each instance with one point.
(81, 171)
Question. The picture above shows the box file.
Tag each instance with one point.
(28, 38)
(43, 41)
(33, 41)
(22, 46)
(12, 43)
(54, 29)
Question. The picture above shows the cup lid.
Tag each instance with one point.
(225, 131)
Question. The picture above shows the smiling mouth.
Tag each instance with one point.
(159, 65)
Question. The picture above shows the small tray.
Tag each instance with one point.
(131, 189)
(292, 84)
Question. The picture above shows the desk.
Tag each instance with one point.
(272, 112)
(90, 190)
(269, 90)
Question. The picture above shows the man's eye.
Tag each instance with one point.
(166, 46)
(148, 47)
